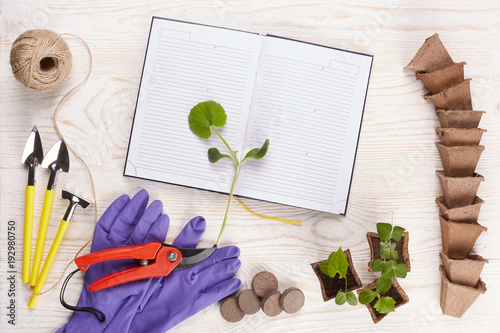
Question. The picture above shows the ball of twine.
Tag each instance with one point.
(40, 59)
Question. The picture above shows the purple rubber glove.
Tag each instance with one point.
(125, 222)
(150, 305)
(184, 292)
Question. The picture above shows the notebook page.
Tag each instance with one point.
(309, 102)
(186, 64)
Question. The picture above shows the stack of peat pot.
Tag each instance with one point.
(460, 151)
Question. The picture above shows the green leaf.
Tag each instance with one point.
(332, 271)
(397, 233)
(204, 115)
(383, 285)
(327, 269)
(385, 305)
(341, 298)
(394, 255)
(339, 262)
(258, 153)
(366, 296)
(384, 231)
(385, 250)
(336, 263)
(324, 267)
(351, 298)
(400, 270)
(388, 270)
(214, 155)
(377, 265)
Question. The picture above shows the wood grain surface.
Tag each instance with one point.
(394, 177)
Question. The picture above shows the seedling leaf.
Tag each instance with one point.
(394, 255)
(377, 265)
(397, 233)
(388, 270)
(336, 263)
(385, 250)
(340, 263)
(351, 298)
(385, 305)
(258, 153)
(324, 267)
(366, 296)
(204, 115)
(384, 231)
(383, 285)
(400, 270)
(214, 155)
(330, 270)
(341, 298)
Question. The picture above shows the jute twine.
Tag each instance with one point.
(40, 59)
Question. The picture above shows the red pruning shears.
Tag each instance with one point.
(155, 259)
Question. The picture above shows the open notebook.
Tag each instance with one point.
(307, 99)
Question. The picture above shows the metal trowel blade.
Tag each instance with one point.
(33, 151)
(57, 156)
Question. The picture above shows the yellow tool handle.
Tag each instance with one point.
(28, 231)
(42, 233)
(48, 262)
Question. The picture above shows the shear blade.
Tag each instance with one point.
(192, 257)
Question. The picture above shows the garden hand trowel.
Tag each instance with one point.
(57, 159)
(32, 156)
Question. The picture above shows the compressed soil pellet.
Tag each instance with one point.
(230, 310)
(249, 302)
(292, 300)
(263, 283)
(271, 303)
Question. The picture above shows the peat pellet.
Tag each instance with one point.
(292, 300)
(230, 310)
(249, 302)
(271, 304)
(263, 283)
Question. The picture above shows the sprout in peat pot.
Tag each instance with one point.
(337, 277)
(385, 294)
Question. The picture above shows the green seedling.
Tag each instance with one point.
(337, 264)
(388, 267)
(203, 120)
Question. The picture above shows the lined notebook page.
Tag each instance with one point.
(308, 101)
(186, 64)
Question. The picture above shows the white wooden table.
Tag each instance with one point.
(395, 166)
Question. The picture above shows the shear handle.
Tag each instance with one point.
(143, 251)
(162, 266)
